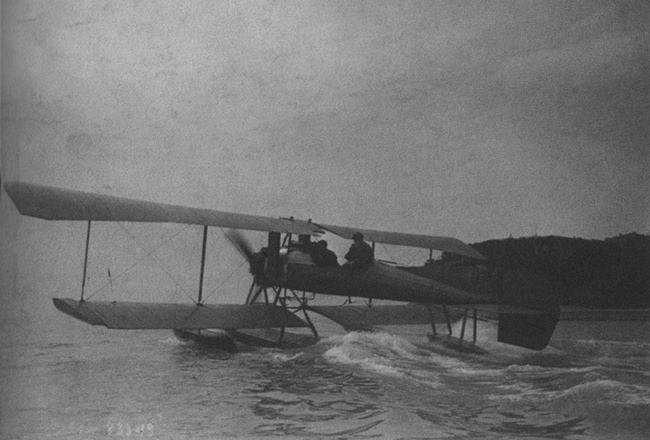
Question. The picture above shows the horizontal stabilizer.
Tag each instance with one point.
(359, 317)
(491, 312)
(132, 315)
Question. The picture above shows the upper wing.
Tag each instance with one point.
(52, 203)
(446, 244)
(132, 315)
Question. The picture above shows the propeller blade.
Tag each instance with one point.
(255, 260)
(240, 243)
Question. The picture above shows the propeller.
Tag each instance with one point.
(255, 261)
(243, 246)
(241, 243)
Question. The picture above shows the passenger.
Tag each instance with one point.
(329, 257)
(360, 253)
(322, 256)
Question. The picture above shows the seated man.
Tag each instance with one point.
(360, 253)
(322, 256)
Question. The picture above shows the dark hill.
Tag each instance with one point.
(610, 273)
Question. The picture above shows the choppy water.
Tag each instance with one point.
(98, 383)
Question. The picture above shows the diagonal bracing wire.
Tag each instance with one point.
(415, 255)
(223, 282)
(147, 255)
(162, 265)
(388, 252)
(234, 271)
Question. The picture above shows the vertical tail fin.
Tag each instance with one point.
(527, 330)
(532, 291)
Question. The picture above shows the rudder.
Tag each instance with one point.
(526, 330)
(533, 291)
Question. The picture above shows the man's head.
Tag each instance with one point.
(322, 244)
(357, 236)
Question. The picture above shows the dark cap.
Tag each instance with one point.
(358, 235)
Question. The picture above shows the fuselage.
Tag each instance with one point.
(376, 280)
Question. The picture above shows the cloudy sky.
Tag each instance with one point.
(472, 119)
(466, 118)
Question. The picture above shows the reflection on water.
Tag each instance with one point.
(306, 395)
(347, 386)
(480, 422)
(309, 375)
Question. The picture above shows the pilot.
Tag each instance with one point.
(322, 256)
(360, 253)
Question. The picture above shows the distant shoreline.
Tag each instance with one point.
(581, 314)
(609, 274)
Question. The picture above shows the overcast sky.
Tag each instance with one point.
(474, 119)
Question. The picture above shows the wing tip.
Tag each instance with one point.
(77, 310)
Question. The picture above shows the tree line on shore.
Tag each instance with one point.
(609, 273)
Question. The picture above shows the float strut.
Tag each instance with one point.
(205, 238)
(444, 308)
(311, 324)
(433, 324)
(83, 281)
(257, 294)
(250, 292)
(475, 322)
(281, 336)
(462, 330)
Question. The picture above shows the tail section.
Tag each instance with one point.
(531, 309)
(527, 330)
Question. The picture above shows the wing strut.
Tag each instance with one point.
(83, 281)
(475, 322)
(433, 322)
(205, 238)
(462, 330)
(444, 308)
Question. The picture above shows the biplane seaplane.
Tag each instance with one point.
(286, 277)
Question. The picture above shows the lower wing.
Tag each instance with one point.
(132, 315)
(517, 325)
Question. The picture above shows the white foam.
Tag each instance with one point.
(537, 369)
(169, 341)
(284, 357)
(379, 352)
(607, 390)
(592, 392)
(345, 355)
